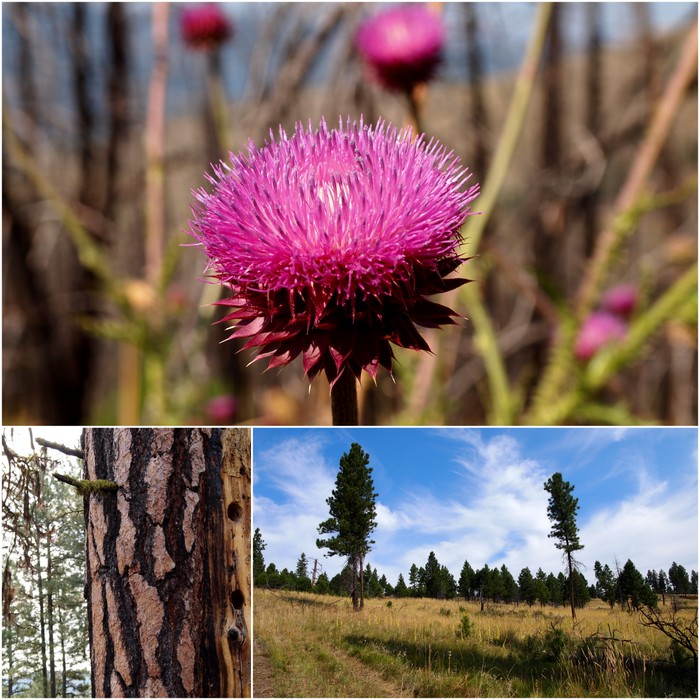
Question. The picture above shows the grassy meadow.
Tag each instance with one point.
(315, 646)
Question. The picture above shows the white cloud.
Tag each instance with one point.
(298, 471)
(653, 527)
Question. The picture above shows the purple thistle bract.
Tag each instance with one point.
(403, 45)
(331, 240)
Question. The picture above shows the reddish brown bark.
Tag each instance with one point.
(168, 561)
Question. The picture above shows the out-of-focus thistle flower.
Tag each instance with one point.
(221, 409)
(402, 45)
(620, 300)
(205, 27)
(599, 329)
(331, 240)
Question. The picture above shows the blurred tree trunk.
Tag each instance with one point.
(588, 204)
(168, 562)
(551, 214)
(478, 116)
(117, 99)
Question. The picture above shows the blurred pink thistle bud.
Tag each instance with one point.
(331, 240)
(599, 329)
(205, 27)
(621, 300)
(402, 45)
(221, 409)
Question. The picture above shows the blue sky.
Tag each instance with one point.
(477, 494)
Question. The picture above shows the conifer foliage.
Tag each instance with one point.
(353, 516)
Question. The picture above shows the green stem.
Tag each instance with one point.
(656, 135)
(500, 412)
(486, 342)
(500, 166)
(606, 363)
(89, 254)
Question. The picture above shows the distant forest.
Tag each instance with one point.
(622, 585)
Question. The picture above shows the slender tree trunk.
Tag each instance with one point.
(10, 661)
(355, 605)
(571, 585)
(42, 624)
(168, 562)
(49, 617)
(362, 581)
(62, 630)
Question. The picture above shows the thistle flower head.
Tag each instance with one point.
(221, 409)
(205, 27)
(402, 45)
(598, 330)
(620, 300)
(331, 240)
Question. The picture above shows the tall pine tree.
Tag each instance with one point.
(353, 516)
(561, 510)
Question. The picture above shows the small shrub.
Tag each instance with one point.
(555, 643)
(465, 627)
(389, 604)
(446, 612)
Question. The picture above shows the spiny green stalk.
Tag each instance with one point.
(560, 406)
(89, 254)
(609, 361)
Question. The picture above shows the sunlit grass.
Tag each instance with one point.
(319, 647)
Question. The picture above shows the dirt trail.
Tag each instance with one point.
(368, 679)
(263, 685)
(382, 687)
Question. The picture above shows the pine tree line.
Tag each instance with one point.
(487, 584)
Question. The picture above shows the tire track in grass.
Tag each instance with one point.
(316, 670)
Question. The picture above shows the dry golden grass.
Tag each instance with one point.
(316, 646)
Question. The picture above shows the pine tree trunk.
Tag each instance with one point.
(10, 662)
(355, 606)
(62, 629)
(42, 624)
(362, 581)
(571, 585)
(168, 562)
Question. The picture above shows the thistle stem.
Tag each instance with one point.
(344, 400)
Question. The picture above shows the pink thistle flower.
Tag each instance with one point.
(331, 240)
(599, 329)
(620, 300)
(402, 45)
(205, 27)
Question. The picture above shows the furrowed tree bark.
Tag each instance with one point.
(168, 562)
